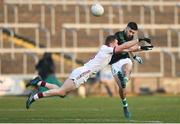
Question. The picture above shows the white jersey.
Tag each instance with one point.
(101, 59)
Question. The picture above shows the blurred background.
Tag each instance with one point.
(68, 30)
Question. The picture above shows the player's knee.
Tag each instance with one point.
(127, 69)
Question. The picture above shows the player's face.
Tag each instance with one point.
(130, 32)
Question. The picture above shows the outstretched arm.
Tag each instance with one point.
(125, 46)
(134, 48)
(132, 45)
(138, 48)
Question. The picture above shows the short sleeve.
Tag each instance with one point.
(106, 49)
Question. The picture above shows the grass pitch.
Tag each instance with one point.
(145, 109)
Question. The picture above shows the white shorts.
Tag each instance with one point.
(116, 67)
(80, 75)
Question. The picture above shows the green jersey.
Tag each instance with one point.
(121, 37)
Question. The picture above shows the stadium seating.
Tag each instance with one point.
(66, 27)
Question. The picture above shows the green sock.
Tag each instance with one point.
(124, 102)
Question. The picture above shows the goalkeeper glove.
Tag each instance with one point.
(146, 47)
(148, 40)
(138, 59)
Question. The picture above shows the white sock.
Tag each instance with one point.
(39, 83)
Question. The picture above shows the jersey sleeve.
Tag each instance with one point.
(108, 50)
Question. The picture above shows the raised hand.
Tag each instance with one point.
(138, 59)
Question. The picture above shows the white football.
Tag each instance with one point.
(97, 9)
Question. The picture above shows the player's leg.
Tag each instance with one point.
(67, 86)
(77, 77)
(39, 82)
(122, 94)
(126, 72)
(121, 71)
(126, 68)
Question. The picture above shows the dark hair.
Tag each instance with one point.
(109, 39)
(45, 66)
(133, 25)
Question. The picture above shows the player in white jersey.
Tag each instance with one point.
(81, 74)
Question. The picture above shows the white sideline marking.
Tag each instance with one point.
(12, 110)
(112, 120)
(145, 121)
(92, 119)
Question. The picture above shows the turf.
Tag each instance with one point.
(155, 109)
